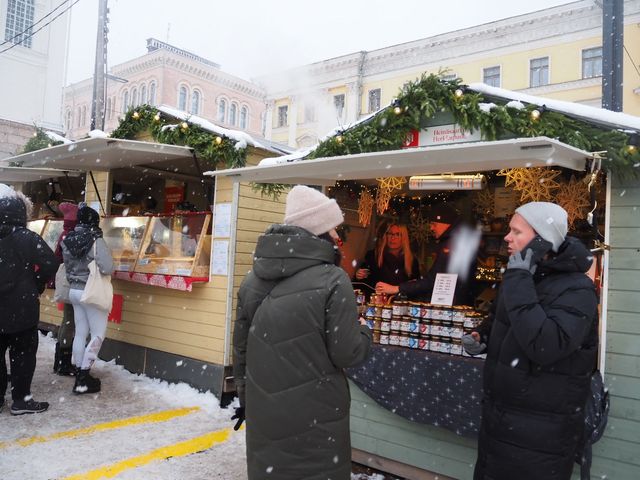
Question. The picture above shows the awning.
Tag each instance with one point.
(101, 154)
(457, 158)
(26, 174)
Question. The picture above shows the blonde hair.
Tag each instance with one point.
(405, 248)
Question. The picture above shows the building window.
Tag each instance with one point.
(338, 103)
(68, 123)
(182, 98)
(374, 100)
(134, 97)
(143, 94)
(125, 101)
(195, 102)
(233, 114)
(309, 113)
(539, 72)
(222, 110)
(283, 113)
(491, 76)
(244, 115)
(152, 93)
(592, 62)
(18, 29)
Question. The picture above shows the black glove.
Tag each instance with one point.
(240, 416)
(472, 346)
(532, 253)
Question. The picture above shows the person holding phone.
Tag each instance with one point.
(541, 351)
(391, 261)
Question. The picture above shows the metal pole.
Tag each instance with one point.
(99, 74)
(612, 50)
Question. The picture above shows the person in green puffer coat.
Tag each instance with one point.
(296, 330)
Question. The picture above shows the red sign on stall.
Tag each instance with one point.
(172, 197)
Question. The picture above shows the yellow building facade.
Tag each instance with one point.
(555, 53)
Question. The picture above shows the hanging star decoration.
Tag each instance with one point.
(514, 177)
(538, 184)
(573, 196)
(365, 207)
(483, 204)
(419, 229)
(386, 187)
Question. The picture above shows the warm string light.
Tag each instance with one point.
(218, 140)
(135, 116)
(536, 113)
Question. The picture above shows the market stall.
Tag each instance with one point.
(181, 243)
(415, 401)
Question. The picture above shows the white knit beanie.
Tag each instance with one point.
(547, 219)
(312, 210)
(6, 191)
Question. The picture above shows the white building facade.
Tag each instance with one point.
(33, 52)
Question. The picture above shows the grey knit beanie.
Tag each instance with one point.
(312, 210)
(547, 219)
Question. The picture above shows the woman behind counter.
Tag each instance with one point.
(392, 260)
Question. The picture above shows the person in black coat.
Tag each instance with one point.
(542, 350)
(26, 264)
(391, 261)
(452, 236)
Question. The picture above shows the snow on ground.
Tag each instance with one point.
(123, 395)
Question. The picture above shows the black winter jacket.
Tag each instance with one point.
(391, 271)
(289, 352)
(541, 352)
(35, 262)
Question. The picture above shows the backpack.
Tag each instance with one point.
(596, 415)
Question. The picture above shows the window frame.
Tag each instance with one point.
(152, 92)
(371, 94)
(538, 72)
(20, 32)
(283, 116)
(244, 112)
(183, 97)
(196, 99)
(590, 59)
(339, 109)
(233, 114)
(221, 111)
(498, 76)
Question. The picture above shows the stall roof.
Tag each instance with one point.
(101, 154)
(25, 174)
(461, 157)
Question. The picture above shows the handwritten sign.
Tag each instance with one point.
(444, 289)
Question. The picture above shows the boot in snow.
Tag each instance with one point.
(28, 406)
(65, 367)
(85, 383)
(56, 358)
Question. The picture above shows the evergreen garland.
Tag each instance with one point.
(39, 141)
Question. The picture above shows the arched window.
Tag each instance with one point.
(84, 116)
(244, 116)
(143, 94)
(182, 98)
(108, 109)
(222, 110)
(79, 118)
(195, 102)
(69, 118)
(233, 113)
(125, 101)
(134, 97)
(152, 93)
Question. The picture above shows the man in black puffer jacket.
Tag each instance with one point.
(26, 264)
(541, 352)
(296, 329)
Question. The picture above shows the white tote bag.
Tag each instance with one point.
(61, 293)
(98, 292)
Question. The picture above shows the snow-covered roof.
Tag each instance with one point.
(242, 138)
(57, 138)
(595, 115)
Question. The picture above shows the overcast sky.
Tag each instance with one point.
(252, 37)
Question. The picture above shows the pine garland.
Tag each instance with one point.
(39, 141)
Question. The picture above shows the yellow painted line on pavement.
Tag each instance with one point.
(180, 449)
(126, 422)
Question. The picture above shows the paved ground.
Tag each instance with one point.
(136, 428)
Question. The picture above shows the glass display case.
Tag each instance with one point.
(124, 237)
(177, 245)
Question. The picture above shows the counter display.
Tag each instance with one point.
(124, 236)
(52, 231)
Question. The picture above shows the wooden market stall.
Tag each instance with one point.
(589, 157)
(178, 268)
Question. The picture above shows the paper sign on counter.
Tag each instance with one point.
(444, 288)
